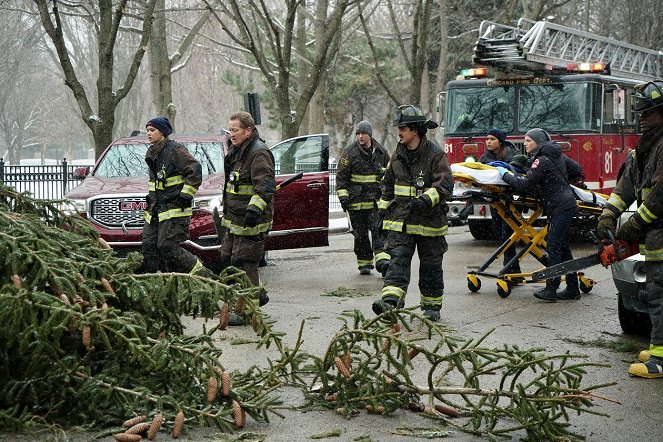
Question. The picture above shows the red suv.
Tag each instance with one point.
(112, 195)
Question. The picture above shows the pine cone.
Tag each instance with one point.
(254, 322)
(55, 288)
(73, 325)
(125, 437)
(155, 426)
(178, 424)
(139, 428)
(225, 383)
(341, 367)
(212, 387)
(224, 316)
(239, 305)
(449, 411)
(239, 415)
(16, 280)
(106, 285)
(347, 359)
(133, 421)
(87, 337)
(64, 298)
(412, 353)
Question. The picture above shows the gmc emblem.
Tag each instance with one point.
(132, 206)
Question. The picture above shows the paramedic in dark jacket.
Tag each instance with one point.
(548, 178)
(247, 199)
(175, 176)
(499, 149)
(414, 189)
(642, 182)
(360, 171)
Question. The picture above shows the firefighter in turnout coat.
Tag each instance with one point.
(642, 181)
(415, 186)
(360, 170)
(175, 176)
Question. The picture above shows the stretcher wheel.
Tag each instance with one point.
(586, 284)
(473, 283)
(503, 288)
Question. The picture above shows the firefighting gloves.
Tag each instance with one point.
(251, 218)
(606, 224)
(148, 200)
(501, 171)
(417, 205)
(630, 230)
(345, 204)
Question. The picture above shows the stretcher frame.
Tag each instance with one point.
(532, 240)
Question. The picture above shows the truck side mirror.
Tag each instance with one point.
(81, 172)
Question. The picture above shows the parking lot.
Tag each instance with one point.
(297, 279)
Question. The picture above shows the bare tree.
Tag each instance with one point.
(107, 20)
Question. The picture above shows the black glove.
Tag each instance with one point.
(345, 204)
(606, 224)
(148, 200)
(251, 218)
(630, 230)
(183, 202)
(417, 205)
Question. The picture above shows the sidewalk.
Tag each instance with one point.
(338, 221)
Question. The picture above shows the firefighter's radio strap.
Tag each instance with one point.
(522, 213)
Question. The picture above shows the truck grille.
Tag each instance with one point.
(114, 212)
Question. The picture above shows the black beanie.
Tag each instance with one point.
(498, 133)
(162, 124)
(364, 127)
(539, 136)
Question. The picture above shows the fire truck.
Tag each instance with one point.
(576, 85)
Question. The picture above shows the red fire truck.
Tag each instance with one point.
(575, 85)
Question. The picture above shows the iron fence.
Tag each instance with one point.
(47, 182)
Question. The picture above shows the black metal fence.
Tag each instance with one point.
(47, 182)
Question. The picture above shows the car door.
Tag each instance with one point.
(301, 209)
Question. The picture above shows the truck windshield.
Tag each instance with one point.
(128, 160)
(553, 106)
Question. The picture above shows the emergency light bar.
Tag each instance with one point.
(585, 67)
(473, 73)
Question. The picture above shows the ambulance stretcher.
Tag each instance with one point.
(487, 187)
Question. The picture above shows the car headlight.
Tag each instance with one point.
(208, 203)
(72, 207)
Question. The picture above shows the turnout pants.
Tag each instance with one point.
(431, 250)
(654, 291)
(161, 247)
(557, 244)
(243, 252)
(365, 227)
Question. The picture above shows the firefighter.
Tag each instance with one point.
(414, 189)
(360, 171)
(174, 179)
(247, 201)
(548, 177)
(642, 181)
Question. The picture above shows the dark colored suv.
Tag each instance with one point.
(112, 194)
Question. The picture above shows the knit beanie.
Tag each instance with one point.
(539, 136)
(364, 127)
(161, 124)
(498, 133)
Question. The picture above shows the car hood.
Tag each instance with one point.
(94, 186)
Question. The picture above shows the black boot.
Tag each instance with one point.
(548, 293)
(571, 291)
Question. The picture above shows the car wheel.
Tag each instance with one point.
(632, 322)
(482, 229)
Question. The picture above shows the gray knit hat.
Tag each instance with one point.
(365, 127)
(539, 136)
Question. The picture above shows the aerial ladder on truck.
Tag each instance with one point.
(544, 46)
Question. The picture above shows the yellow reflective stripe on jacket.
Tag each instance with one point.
(257, 201)
(646, 214)
(404, 190)
(382, 256)
(342, 193)
(197, 267)
(174, 180)
(434, 196)
(365, 205)
(392, 291)
(189, 190)
(383, 204)
(147, 217)
(651, 255)
(363, 179)
(616, 201)
(242, 189)
(175, 213)
(236, 229)
(151, 186)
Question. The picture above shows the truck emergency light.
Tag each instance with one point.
(585, 67)
(470, 148)
(473, 73)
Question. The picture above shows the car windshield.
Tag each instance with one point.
(128, 160)
(559, 107)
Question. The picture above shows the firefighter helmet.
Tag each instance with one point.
(647, 96)
(409, 114)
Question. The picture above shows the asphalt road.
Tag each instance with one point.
(296, 280)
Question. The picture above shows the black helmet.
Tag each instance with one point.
(409, 114)
(647, 96)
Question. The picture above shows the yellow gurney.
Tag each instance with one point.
(487, 187)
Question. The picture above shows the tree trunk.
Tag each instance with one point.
(160, 74)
